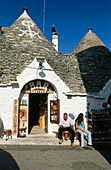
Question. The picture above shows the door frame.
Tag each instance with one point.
(38, 86)
(42, 117)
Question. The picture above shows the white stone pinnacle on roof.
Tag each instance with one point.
(24, 15)
(90, 29)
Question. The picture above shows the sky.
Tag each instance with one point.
(71, 18)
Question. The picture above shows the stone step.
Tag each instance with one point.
(38, 139)
(32, 133)
(37, 130)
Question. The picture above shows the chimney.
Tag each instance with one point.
(54, 38)
(89, 29)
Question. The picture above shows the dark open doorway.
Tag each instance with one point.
(37, 109)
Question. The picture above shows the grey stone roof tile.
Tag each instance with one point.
(19, 47)
(94, 62)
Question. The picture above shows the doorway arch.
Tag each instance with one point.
(33, 106)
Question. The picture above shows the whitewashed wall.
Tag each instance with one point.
(6, 106)
(97, 101)
(55, 41)
(106, 91)
(73, 106)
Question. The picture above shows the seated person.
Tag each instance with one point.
(80, 127)
(64, 125)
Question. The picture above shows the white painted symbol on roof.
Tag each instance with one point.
(29, 32)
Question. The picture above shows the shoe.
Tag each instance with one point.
(72, 144)
(89, 144)
(60, 142)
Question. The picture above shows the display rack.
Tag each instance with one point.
(99, 124)
(54, 111)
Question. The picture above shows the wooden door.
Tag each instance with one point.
(41, 116)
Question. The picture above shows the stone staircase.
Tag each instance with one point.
(37, 130)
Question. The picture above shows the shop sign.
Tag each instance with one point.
(40, 91)
(38, 87)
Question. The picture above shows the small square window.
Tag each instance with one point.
(69, 97)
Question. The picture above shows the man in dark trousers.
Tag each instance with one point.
(64, 125)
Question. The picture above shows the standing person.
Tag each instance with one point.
(80, 127)
(64, 125)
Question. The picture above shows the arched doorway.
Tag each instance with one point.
(33, 106)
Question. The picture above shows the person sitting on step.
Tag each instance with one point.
(64, 125)
(80, 128)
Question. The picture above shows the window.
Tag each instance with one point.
(69, 97)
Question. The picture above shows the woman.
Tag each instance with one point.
(80, 127)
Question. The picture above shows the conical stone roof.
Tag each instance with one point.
(22, 42)
(88, 41)
(94, 61)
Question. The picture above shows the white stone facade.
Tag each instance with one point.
(72, 106)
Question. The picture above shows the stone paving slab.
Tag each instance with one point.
(30, 157)
(43, 139)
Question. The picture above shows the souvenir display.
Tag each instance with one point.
(99, 123)
(54, 111)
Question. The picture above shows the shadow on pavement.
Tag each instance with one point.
(7, 161)
(105, 150)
